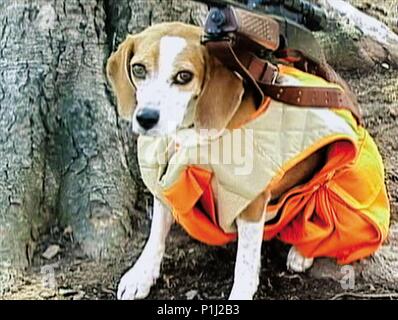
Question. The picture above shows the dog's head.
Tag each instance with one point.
(164, 79)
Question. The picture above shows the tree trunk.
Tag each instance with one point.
(66, 157)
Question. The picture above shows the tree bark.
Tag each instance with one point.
(66, 156)
(25, 60)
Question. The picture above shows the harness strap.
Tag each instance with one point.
(223, 51)
(261, 75)
(311, 97)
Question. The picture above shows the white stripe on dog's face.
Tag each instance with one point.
(159, 92)
(169, 49)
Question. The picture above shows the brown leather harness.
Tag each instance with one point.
(238, 51)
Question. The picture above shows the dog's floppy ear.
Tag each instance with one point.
(118, 73)
(220, 97)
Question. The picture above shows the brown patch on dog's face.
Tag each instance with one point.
(173, 81)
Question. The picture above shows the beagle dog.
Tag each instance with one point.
(160, 77)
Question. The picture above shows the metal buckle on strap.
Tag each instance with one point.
(270, 74)
(275, 74)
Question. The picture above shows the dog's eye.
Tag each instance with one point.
(139, 71)
(183, 77)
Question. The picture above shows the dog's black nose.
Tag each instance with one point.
(148, 118)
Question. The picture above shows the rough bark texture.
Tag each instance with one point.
(23, 99)
(66, 157)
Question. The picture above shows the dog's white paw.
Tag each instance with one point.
(137, 282)
(296, 262)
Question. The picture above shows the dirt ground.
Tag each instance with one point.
(195, 271)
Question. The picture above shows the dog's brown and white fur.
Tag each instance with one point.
(219, 101)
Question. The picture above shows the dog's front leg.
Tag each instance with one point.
(137, 282)
(248, 260)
